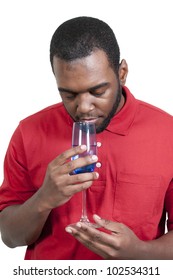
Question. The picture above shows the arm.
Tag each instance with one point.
(22, 224)
(121, 242)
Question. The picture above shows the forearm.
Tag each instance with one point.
(22, 224)
(158, 249)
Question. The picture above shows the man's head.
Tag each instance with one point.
(84, 56)
(78, 37)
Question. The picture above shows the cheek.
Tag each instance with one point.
(106, 105)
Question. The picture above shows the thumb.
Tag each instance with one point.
(107, 224)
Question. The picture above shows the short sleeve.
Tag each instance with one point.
(16, 187)
(169, 206)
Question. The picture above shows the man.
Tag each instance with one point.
(132, 191)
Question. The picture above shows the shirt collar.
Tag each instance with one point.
(122, 121)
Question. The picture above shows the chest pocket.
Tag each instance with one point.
(137, 199)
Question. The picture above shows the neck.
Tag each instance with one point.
(121, 104)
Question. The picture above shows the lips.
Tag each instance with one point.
(88, 120)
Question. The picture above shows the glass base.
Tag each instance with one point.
(87, 222)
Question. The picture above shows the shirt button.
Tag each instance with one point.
(99, 144)
(98, 164)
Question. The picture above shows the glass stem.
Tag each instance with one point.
(84, 217)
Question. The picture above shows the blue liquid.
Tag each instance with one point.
(87, 168)
(84, 169)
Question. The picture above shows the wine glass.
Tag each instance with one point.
(84, 133)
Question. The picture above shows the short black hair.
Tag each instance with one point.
(80, 36)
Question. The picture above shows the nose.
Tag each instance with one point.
(84, 103)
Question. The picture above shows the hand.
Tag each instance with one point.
(59, 186)
(119, 242)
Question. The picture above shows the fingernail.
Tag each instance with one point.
(83, 147)
(97, 217)
(94, 158)
(68, 229)
(78, 225)
(97, 175)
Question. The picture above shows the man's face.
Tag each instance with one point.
(89, 88)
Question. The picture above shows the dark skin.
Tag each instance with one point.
(22, 224)
(88, 88)
(121, 242)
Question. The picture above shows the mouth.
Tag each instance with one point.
(88, 120)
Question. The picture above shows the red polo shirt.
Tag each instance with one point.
(135, 186)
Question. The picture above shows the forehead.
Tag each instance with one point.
(91, 70)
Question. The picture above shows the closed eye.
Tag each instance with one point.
(98, 94)
(69, 96)
(96, 91)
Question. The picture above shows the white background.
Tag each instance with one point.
(144, 32)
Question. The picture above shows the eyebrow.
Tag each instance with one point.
(89, 89)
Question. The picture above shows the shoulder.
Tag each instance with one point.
(45, 121)
(151, 111)
(46, 116)
(146, 108)
(153, 108)
(46, 112)
(147, 114)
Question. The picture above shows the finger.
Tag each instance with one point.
(82, 178)
(62, 158)
(76, 183)
(89, 234)
(70, 166)
(107, 224)
(72, 189)
(93, 239)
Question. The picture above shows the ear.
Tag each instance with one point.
(123, 72)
